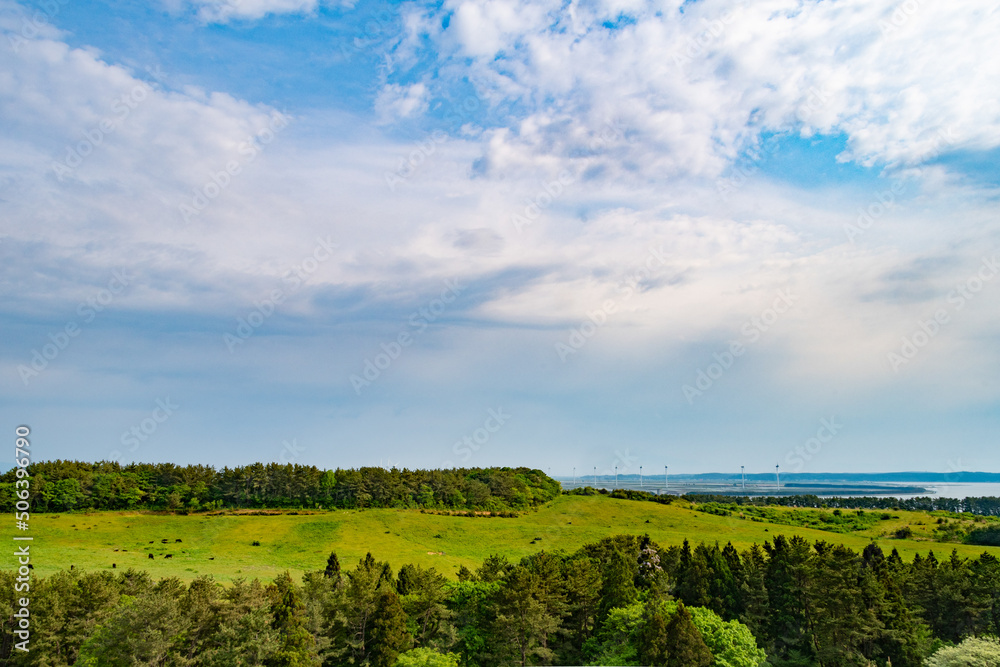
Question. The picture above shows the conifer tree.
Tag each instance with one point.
(297, 645)
(653, 645)
(685, 644)
(332, 570)
(389, 637)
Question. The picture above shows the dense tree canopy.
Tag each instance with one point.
(58, 486)
(621, 601)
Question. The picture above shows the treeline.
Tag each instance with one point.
(621, 601)
(59, 486)
(604, 604)
(984, 506)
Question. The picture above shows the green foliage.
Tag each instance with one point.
(637, 635)
(973, 652)
(687, 648)
(654, 645)
(58, 486)
(606, 602)
(296, 646)
(988, 536)
(426, 657)
(143, 630)
(389, 637)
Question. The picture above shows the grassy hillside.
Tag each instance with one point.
(221, 545)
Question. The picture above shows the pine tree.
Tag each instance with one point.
(654, 639)
(298, 646)
(618, 573)
(523, 623)
(685, 644)
(389, 637)
(332, 570)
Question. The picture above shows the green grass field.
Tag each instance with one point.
(221, 545)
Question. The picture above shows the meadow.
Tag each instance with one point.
(222, 544)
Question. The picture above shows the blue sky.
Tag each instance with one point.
(572, 234)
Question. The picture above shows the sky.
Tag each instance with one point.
(563, 234)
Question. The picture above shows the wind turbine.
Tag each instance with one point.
(777, 479)
(640, 477)
(743, 476)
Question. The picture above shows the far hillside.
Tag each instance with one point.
(231, 544)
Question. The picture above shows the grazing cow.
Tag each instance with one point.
(169, 556)
(150, 555)
(177, 540)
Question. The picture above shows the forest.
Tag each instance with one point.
(621, 601)
(59, 486)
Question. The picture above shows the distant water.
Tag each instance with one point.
(933, 489)
(957, 490)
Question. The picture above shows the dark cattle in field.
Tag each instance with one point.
(150, 555)
(177, 540)
(113, 565)
(169, 556)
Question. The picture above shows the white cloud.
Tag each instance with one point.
(222, 11)
(639, 131)
(397, 102)
(697, 87)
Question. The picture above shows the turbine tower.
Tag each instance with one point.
(777, 479)
(743, 476)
